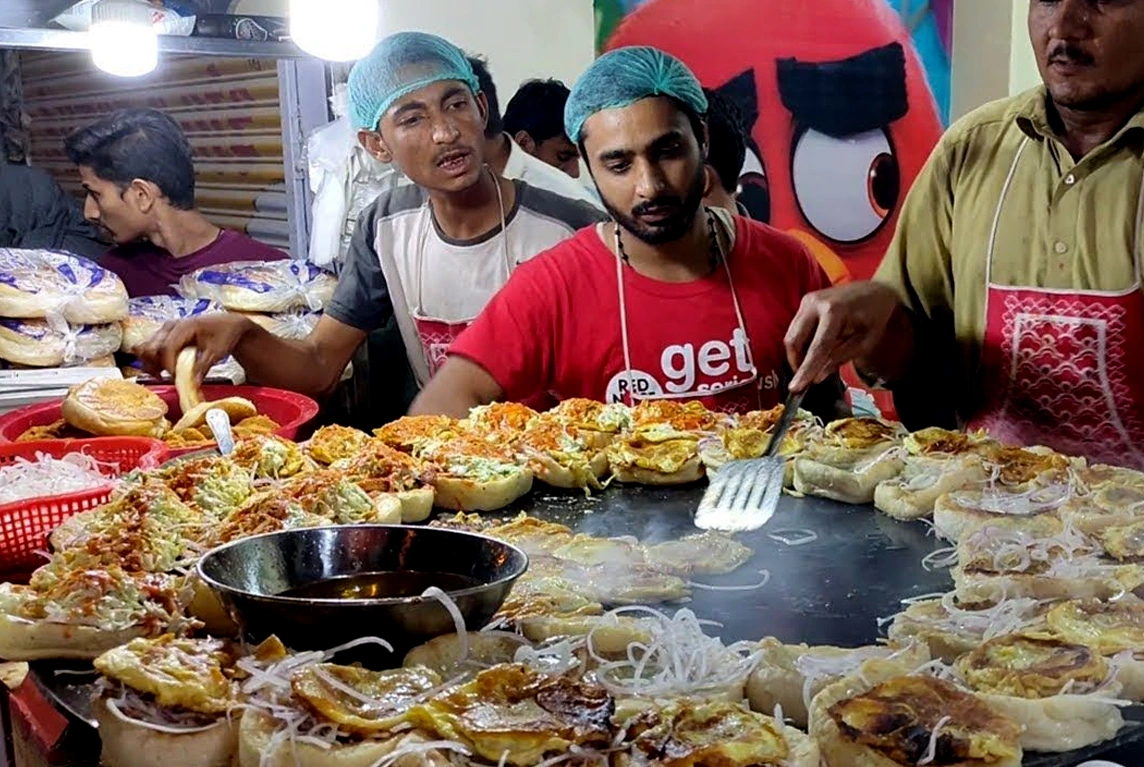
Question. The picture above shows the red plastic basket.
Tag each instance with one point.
(24, 525)
(290, 410)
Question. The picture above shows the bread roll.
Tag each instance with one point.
(130, 743)
(460, 494)
(267, 287)
(146, 314)
(296, 324)
(109, 407)
(41, 283)
(237, 408)
(22, 640)
(45, 344)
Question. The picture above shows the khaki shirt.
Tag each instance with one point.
(1064, 224)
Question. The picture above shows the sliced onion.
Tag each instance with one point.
(746, 587)
(795, 536)
(113, 707)
(455, 613)
(931, 749)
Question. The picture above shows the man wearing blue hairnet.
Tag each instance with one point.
(674, 300)
(429, 255)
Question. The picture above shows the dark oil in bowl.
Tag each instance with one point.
(381, 585)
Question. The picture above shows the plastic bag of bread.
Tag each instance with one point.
(46, 343)
(295, 325)
(42, 283)
(146, 314)
(266, 287)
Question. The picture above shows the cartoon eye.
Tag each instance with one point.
(754, 188)
(848, 187)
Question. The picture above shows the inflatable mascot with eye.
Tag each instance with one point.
(841, 116)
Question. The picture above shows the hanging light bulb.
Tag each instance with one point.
(335, 30)
(123, 39)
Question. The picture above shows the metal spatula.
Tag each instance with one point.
(744, 494)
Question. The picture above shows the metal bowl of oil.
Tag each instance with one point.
(317, 588)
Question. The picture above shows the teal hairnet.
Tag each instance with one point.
(626, 75)
(399, 65)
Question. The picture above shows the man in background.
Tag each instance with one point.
(36, 213)
(139, 177)
(534, 118)
(726, 152)
(507, 159)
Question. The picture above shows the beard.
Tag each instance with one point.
(670, 228)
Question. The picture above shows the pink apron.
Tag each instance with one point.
(1065, 368)
(437, 335)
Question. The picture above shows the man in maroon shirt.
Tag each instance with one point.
(137, 171)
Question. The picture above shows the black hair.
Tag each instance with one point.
(727, 139)
(537, 108)
(138, 144)
(697, 121)
(480, 66)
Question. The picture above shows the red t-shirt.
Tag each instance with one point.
(147, 270)
(555, 326)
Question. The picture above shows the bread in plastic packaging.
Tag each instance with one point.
(146, 314)
(40, 283)
(293, 325)
(266, 287)
(54, 343)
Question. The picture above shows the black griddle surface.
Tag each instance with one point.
(829, 591)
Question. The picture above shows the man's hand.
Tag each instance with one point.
(214, 335)
(838, 325)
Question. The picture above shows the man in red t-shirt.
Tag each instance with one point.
(673, 300)
(137, 172)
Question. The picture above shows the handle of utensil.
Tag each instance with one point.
(219, 423)
(790, 411)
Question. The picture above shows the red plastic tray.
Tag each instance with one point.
(24, 525)
(289, 409)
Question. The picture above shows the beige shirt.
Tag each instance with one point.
(1063, 225)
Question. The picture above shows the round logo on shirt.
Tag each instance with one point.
(644, 384)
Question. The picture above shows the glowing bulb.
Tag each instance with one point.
(334, 30)
(123, 40)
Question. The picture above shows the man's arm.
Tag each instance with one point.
(312, 365)
(886, 326)
(459, 386)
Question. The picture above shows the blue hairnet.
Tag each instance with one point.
(399, 65)
(626, 75)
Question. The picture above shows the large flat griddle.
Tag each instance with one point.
(829, 591)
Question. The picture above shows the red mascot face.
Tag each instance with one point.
(842, 117)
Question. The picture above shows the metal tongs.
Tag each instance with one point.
(744, 494)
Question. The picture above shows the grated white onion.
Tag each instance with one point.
(679, 660)
(420, 748)
(455, 613)
(113, 707)
(931, 749)
(47, 476)
(745, 587)
(939, 559)
(795, 536)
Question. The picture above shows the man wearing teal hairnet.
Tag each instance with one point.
(429, 255)
(672, 301)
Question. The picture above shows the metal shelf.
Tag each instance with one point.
(66, 40)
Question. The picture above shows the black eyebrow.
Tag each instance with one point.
(408, 106)
(616, 154)
(842, 98)
(452, 93)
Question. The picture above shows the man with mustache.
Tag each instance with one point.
(1010, 298)
(429, 255)
(674, 300)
